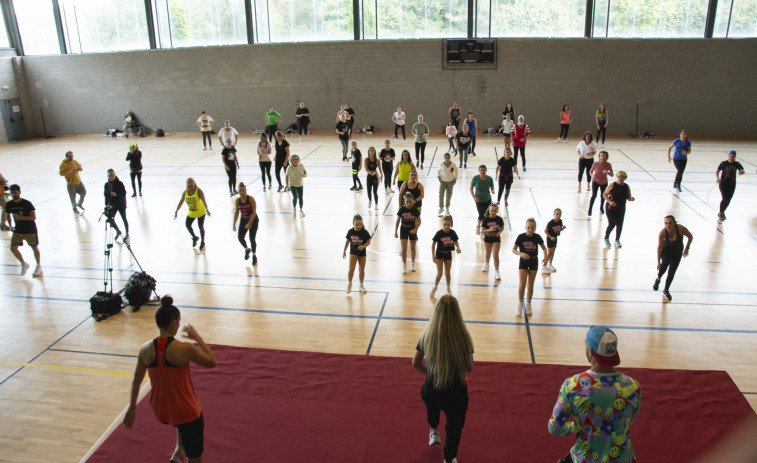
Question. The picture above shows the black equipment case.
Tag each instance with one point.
(103, 305)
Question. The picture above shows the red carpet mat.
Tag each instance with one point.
(280, 406)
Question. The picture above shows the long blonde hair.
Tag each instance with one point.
(446, 344)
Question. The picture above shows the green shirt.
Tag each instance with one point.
(295, 174)
(272, 118)
(482, 188)
(419, 130)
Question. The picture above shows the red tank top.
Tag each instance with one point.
(173, 399)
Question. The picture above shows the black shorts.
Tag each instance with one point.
(506, 135)
(406, 235)
(492, 239)
(358, 253)
(192, 437)
(443, 256)
(530, 264)
(550, 243)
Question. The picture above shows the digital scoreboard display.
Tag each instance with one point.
(471, 51)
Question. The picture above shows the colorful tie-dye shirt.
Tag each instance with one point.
(598, 409)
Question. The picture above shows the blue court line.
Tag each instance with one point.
(637, 165)
(696, 211)
(700, 199)
(535, 205)
(432, 161)
(749, 393)
(316, 149)
(375, 328)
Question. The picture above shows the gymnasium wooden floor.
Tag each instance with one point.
(64, 378)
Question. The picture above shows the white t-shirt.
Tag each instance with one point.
(451, 130)
(586, 151)
(507, 125)
(447, 173)
(399, 117)
(230, 134)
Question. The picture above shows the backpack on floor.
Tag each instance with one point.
(138, 289)
(160, 133)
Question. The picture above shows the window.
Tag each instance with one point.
(736, 18)
(656, 18)
(36, 25)
(535, 18)
(104, 25)
(193, 23)
(304, 20)
(422, 18)
(4, 41)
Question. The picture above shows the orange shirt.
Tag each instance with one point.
(172, 396)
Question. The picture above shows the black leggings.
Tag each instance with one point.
(402, 127)
(420, 148)
(454, 404)
(253, 231)
(356, 183)
(564, 131)
(138, 176)
(584, 164)
(112, 220)
(726, 191)
(279, 166)
(473, 145)
(670, 263)
(505, 181)
(594, 187)
(207, 135)
(680, 168)
(522, 153)
(371, 182)
(615, 219)
(302, 127)
(388, 176)
(482, 207)
(603, 131)
(271, 131)
(232, 173)
(265, 169)
(200, 224)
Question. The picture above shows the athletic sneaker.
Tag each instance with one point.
(202, 246)
(617, 244)
(247, 252)
(286, 189)
(449, 291)
(353, 188)
(721, 216)
(280, 188)
(433, 438)
(431, 294)
(362, 289)
(412, 265)
(558, 140)
(349, 288)
(496, 274)
(302, 213)
(679, 188)
(544, 269)
(404, 268)
(80, 206)
(134, 195)
(551, 268)
(666, 295)
(519, 310)
(441, 211)
(485, 268)
(369, 204)
(656, 284)
(254, 259)
(24, 268)
(194, 241)
(528, 308)
(37, 271)
(524, 168)
(127, 240)
(375, 206)
(607, 242)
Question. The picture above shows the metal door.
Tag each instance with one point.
(13, 120)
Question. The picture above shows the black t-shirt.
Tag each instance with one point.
(730, 170)
(229, 157)
(554, 227)
(281, 152)
(384, 156)
(416, 192)
(506, 166)
(511, 112)
(300, 112)
(23, 208)
(116, 186)
(342, 128)
(357, 238)
(408, 216)
(464, 139)
(454, 114)
(351, 117)
(357, 156)
(371, 165)
(445, 242)
(493, 223)
(529, 244)
(135, 160)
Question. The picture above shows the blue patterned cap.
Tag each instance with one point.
(604, 343)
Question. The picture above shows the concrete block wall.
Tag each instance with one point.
(706, 86)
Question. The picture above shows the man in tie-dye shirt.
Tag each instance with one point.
(598, 406)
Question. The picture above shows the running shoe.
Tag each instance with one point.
(666, 295)
(528, 308)
(247, 252)
(134, 195)
(558, 140)
(353, 188)
(465, 166)
(404, 268)
(607, 243)
(194, 241)
(412, 265)
(656, 284)
(302, 213)
(485, 268)
(544, 269)
(24, 268)
(80, 206)
(349, 288)
(551, 268)
(280, 188)
(37, 271)
(362, 289)
(254, 259)
(202, 246)
(617, 244)
(375, 206)
(431, 294)
(679, 188)
(369, 204)
(433, 438)
(127, 240)
(496, 274)
(519, 310)
(449, 291)
(524, 168)
(286, 189)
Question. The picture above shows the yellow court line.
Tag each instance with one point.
(61, 367)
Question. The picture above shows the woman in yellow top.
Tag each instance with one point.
(195, 199)
(402, 172)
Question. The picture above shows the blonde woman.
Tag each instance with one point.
(195, 199)
(448, 349)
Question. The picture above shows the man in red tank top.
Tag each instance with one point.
(172, 396)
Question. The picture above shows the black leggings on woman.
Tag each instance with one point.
(670, 260)
(201, 225)
(371, 183)
(279, 166)
(454, 404)
(584, 164)
(594, 187)
(615, 217)
(522, 153)
(420, 148)
(726, 191)
(680, 168)
(564, 131)
(253, 231)
(387, 176)
(302, 128)
(232, 173)
(265, 169)
(401, 127)
(505, 181)
(138, 176)
(603, 131)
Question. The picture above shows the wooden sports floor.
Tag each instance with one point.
(64, 378)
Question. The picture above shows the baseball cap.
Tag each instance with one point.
(732, 152)
(604, 343)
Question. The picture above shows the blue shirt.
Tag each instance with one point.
(681, 146)
(471, 126)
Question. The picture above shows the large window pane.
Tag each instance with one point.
(742, 15)
(36, 24)
(104, 25)
(422, 18)
(481, 19)
(4, 41)
(308, 20)
(193, 23)
(538, 18)
(600, 17)
(368, 24)
(657, 18)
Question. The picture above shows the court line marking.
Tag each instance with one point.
(66, 368)
(538, 214)
(637, 164)
(528, 333)
(91, 353)
(428, 174)
(375, 328)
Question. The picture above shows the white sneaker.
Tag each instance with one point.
(544, 269)
(431, 294)
(349, 288)
(362, 289)
(496, 274)
(24, 268)
(412, 266)
(449, 290)
(441, 211)
(370, 204)
(375, 206)
(551, 268)
(485, 268)
(404, 268)
(558, 140)
(528, 308)
(433, 438)
(302, 213)
(37, 271)
(519, 310)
